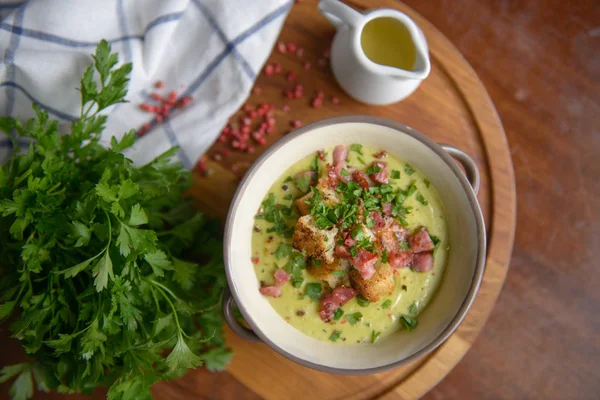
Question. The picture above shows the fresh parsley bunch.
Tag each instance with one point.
(95, 254)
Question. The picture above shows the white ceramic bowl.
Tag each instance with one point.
(465, 262)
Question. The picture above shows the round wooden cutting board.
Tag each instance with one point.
(451, 106)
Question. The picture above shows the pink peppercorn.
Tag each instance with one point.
(269, 69)
(257, 90)
(291, 47)
(281, 47)
(285, 108)
(335, 100)
(295, 123)
(277, 68)
(172, 97)
(317, 102)
(156, 96)
(291, 76)
(300, 52)
(306, 66)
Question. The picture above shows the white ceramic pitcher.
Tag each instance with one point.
(362, 78)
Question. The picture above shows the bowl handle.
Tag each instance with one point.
(232, 321)
(467, 162)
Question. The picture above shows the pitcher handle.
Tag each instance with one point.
(467, 162)
(232, 321)
(339, 13)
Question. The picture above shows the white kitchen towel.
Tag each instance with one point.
(211, 50)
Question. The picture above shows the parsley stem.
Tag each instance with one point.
(162, 289)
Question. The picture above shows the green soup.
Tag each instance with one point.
(358, 321)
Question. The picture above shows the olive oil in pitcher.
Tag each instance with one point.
(386, 41)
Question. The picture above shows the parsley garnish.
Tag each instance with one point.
(426, 182)
(295, 267)
(384, 256)
(421, 199)
(362, 301)
(335, 335)
(375, 336)
(386, 304)
(313, 290)
(357, 148)
(343, 172)
(283, 250)
(272, 212)
(338, 314)
(314, 165)
(361, 160)
(303, 183)
(288, 197)
(409, 169)
(288, 179)
(353, 318)
(404, 245)
(409, 323)
(373, 169)
(412, 310)
(338, 274)
(395, 174)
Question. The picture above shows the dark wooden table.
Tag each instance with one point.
(540, 61)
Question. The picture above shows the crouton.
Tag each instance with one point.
(301, 203)
(329, 195)
(324, 271)
(380, 284)
(314, 242)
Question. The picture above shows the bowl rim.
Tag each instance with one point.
(449, 161)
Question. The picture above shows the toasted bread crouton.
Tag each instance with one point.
(302, 205)
(380, 284)
(314, 242)
(330, 196)
(324, 271)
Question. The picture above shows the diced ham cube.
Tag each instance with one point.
(381, 176)
(364, 262)
(387, 209)
(423, 262)
(361, 178)
(281, 277)
(342, 251)
(340, 153)
(331, 302)
(400, 259)
(349, 241)
(271, 291)
(377, 219)
(421, 241)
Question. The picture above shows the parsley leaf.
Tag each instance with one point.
(395, 174)
(375, 336)
(295, 267)
(409, 323)
(335, 335)
(421, 199)
(283, 250)
(313, 290)
(409, 169)
(303, 183)
(362, 301)
(373, 169)
(353, 318)
(338, 274)
(426, 182)
(357, 148)
(338, 314)
(386, 304)
(413, 309)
